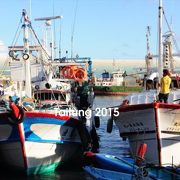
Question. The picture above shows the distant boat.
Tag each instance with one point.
(111, 79)
(40, 125)
(115, 83)
(144, 120)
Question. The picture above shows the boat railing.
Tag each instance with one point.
(143, 98)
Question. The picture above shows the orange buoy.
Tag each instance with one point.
(80, 74)
(68, 71)
(141, 152)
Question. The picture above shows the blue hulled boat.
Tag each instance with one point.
(103, 166)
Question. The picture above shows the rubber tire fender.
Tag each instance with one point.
(109, 125)
(97, 121)
(18, 120)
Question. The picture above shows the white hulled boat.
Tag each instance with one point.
(147, 123)
(40, 128)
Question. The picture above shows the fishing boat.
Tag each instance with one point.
(146, 122)
(40, 125)
(116, 83)
(105, 166)
(113, 79)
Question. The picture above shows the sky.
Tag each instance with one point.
(101, 29)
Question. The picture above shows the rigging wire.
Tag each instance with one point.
(39, 41)
(46, 77)
(60, 38)
(169, 27)
(30, 9)
(73, 28)
(16, 36)
(50, 66)
(54, 35)
(157, 42)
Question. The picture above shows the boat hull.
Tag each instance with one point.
(104, 166)
(40, 144)
(155, 124)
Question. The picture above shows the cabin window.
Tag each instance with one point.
(50, 96)
(47, 96)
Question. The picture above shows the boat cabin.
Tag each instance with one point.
(107, 79)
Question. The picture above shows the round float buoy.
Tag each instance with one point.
(25, 56)
(11, 53)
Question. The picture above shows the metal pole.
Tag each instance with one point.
(28, 90)
(160, 68)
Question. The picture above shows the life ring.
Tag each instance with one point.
(68, 71)
(17, 114)
(80, 74)
(25, 56)
(11, 53)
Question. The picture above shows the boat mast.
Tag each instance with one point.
(160, 41)
(148, 56)
(48, 25)
(26, 25)
(147, 38)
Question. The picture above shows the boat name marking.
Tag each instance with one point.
(173, 128)
(135, 126)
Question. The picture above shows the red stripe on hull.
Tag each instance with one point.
(158, 134)
(22, 141)
(135, 107)
(47, 115)
(147, 106)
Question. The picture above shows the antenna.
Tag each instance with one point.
(48, 24)
(30, 7)
(147, 38)
(60, 41)
(160, 39)
(48, 18)
(73, 27)
(148, 56)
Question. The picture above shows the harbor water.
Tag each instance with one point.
(109, 144)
